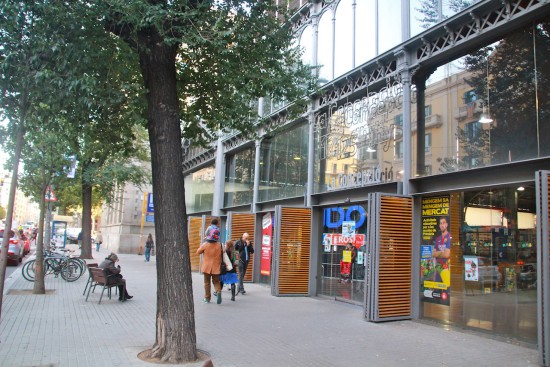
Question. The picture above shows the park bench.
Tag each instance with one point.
(100, 278)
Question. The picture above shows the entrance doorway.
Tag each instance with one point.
(343, 253)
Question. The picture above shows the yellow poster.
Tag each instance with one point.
(346, 256)
(435, 253)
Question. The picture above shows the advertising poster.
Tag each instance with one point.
(267, 230)
(327, 241)
(348, 230)
(360, 258)
(435, 251)
(337, 239)
(346, 256)
(150, 204)
(470, 268)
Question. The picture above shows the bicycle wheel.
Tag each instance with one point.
(71, 270)
(52, 265)
(81, 263)
(28, 270)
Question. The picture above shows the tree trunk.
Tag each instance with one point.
(11, 200)
(39, 286)
(175, 321)
(86, 250)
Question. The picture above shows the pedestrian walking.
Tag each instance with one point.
(111, 270)
(211, 262)
(213, 225)
(98, 241)
(149, 245)
(245, 249)
(231, 276)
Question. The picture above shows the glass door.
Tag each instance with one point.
(343, 249)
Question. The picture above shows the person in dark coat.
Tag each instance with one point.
(245, 249)
(149, 245)
(111, 270)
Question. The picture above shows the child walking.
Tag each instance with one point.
(231, 276)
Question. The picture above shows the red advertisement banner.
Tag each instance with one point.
(337, 239)
(267, 232)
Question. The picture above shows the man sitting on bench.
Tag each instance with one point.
(111, 270)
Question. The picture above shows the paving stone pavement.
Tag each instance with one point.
(61, 329)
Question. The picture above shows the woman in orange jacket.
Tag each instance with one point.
(212, 251)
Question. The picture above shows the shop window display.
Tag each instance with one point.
(493, 261)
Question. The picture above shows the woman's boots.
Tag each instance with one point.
(233, 292)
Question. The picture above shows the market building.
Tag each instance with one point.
(425, 151)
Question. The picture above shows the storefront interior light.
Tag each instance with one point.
(521, 188)
(485, 117)
(297, 158)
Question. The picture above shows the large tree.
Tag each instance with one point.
(202, 63)
(45, 158)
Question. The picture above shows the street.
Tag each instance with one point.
(13, 271)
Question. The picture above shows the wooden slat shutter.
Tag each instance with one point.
(196, 233)
(292, 248)
(239, 224)
(389, 258)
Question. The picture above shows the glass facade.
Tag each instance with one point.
(492, 262)
(490, 106)
(199, 190)
(484, 106)
(359, 143)
(353, 33)
(239, 178)
(425, 14)
(283, 165)
(325, 49)
(306, 40)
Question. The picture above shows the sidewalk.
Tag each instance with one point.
(61, 329)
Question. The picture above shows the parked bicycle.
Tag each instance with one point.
(55, 248)
(70, 268)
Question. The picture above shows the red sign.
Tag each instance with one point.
(50, 195)
(339, 240)
(267, 232)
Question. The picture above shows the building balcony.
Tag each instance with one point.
(432, 121)
(468, 111)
